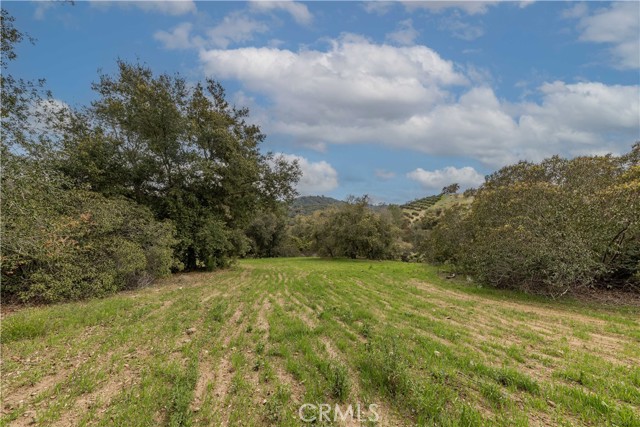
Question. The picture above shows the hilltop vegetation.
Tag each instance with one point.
(306, 205)
(416, 210)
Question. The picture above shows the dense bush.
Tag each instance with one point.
(550, 227)
(349, 230)
(61, 244)
(267, 234)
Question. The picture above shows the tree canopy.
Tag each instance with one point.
(183, 151)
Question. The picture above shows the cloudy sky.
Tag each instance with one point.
(390, 99)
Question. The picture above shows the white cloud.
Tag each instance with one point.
(439, 178)
(236, 27)
(378, 7)
(405, 34)
(179, 37)
(384, 174)
(617, 26)
(298, 11)
(174, 7)
(469, 7)
(317, 177)
(578, 10)
(353, 82)
(361, 92)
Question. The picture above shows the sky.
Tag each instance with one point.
(390, 99)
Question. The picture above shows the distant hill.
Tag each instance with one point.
(413, 210)
(306, 205)
(416, 209)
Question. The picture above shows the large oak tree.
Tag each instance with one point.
(182, 150)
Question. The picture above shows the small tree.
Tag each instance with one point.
(350, 230)
(451, 189)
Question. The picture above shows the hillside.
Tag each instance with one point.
(248, 346)
(416, 209)
(306, 205)
(413, 210)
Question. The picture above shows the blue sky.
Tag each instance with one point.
(391, 99)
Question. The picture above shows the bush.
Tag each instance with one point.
(350, 230)
(65, 244)
(550, 228)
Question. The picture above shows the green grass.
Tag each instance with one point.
(272, 334)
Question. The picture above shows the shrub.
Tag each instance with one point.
(552, 227)
(350, 230)
(64, 244)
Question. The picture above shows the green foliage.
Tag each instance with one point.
(182, 151)
(340, 383)
(306, 205)
(451, 189)
(61, 243)
(548, 228)
(267, 233)
(24, 102)
(350, 230)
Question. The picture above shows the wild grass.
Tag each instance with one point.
(248, 346)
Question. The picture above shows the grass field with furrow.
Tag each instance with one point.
(250, 345)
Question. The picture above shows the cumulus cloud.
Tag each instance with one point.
(317, 177)
(378, 7)
(617, 26)
(412, 98)
(179, 37)
(352, 83)
(174, 7)
(405, 34)
(237, 27)
(439, 178)
(298, 11)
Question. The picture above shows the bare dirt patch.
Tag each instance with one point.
(86, 402)
(297, 388)
(223, 372)
(205, 378)
(25, 395)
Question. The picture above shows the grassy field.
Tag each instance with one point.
(249, 346)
